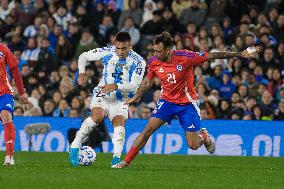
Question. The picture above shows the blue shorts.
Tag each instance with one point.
(188, 114)
(7, 103)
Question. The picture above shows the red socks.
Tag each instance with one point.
(9, 137)
(131, 155)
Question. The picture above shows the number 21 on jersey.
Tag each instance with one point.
(171, 78)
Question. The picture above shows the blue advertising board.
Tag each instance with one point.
(233, 138)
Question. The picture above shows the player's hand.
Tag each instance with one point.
(82, 79)
(133, 100)
(251, 52)
(24, 98)
(108, 88)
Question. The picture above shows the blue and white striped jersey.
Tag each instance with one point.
(127, 73)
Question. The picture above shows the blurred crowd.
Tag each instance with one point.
(47, 36)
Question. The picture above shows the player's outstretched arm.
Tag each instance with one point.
(248, 53)
(92, 55)
(145, 86)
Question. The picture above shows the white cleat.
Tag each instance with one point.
(120, 165)
(209, 143)
(9, 160)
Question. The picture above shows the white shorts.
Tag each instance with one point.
(112, 108)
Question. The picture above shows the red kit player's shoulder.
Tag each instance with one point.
(185, 53)
(153, 61)
(3, 47)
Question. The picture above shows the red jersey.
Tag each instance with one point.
(177, 77)
(6, 58)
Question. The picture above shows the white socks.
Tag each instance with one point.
(82, 135)
(118, 140)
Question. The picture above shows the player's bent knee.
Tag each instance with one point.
(118, 120)
(97, 119)
(193, 145)
(6, 116)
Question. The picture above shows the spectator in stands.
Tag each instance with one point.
(53, 82)
(149, 7)
(31, 52)
(62, 17)
(47, 59)
(145, 112)
(54, 35)
(226, 88)
(202, 92)
(194, 14)
(129, 27)
(268, 60)
(279, 113)
(48, 107)
(203, 112)
(216, 11)
(56, 97)
(179, 6)
(74, 113)
(224, 109)
(267, 105)
(86, 43)
(156, 97)
(249, 104)
(203, 35)
(171, 23)
(73, 35)
(64, 50)
(257, 113)
(275, 83)
(279, 28)
(63, 109)
(227, 29)
(243, 91)
(5, 9)
(214, 82)
(134, 11)
(19, 111)
(25, 13)
(32, 30)
(132, 111)
(16, 43)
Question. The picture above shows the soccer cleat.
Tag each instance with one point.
(120, 165)
(208, 142)
(74, 156)
(9, 160)
(115, 161)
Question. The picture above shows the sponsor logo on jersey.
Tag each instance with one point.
(201, 53)
(191, 126)
(161, 70)
(1, 54)
(154, 111)
(9, 105)
(179, 67)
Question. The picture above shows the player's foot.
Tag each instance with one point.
(208, 142)
(9, 160)
(74, 156)
(115, 160)
(120, 165)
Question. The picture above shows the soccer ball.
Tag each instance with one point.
(87, 155)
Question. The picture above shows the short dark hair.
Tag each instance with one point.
(165, 38)
(123, 37)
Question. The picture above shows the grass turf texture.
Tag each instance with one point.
(52, 170)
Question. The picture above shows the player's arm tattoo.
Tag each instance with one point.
(223, 55)
(145, 85)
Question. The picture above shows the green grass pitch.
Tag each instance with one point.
(52, 170)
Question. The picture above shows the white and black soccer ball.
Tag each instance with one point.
(87, 156)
